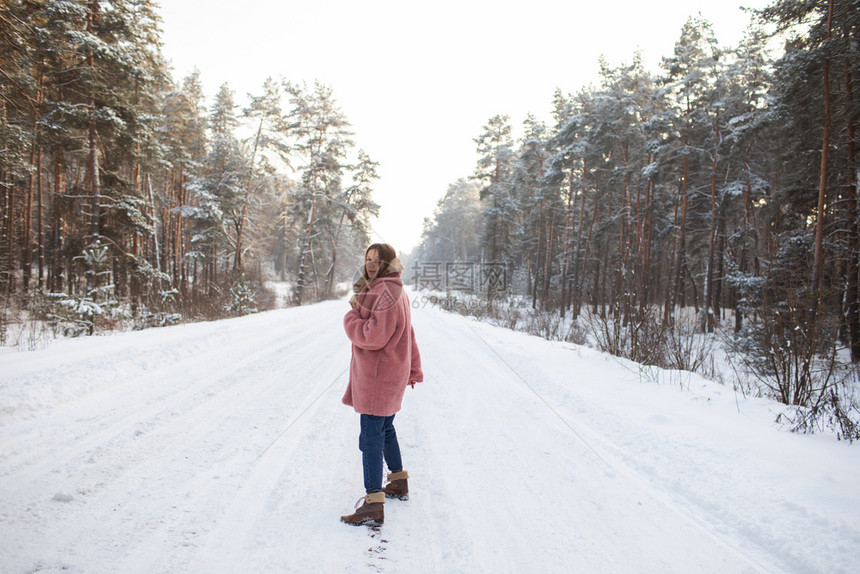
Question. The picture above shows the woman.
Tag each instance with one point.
(384, 360)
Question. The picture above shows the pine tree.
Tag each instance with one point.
(19, 111)
(184, 141)
(455, 232)
(815, 115)
(501, 211)
(322, 140)
(357, 207)
(220, 189)
(540, 208)
(745, 149)
(265, 110)
(691, 74)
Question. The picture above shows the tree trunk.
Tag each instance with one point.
(26, 243)
(55, 282)
(818, 257)
(237, 260)
(717, 298)
(536, 266)
(300, 280)
(584, 266)
(680, 275)
(95, 188)
(852, 289)
(93, 159)
(178, 186)
(330, 275)
(550, 239)
(645, 243)
(625, 237)
(675, 267)
(565, 261)
(742, 264)
(154, 222)
(9, 228)
(40, 234)
(578, 262)
(708, 316)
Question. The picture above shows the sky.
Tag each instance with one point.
(417, 80)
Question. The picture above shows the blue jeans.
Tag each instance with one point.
(378, 440)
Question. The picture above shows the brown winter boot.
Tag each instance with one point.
(371, 512)
(398, 487)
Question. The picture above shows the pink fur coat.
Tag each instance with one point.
(385, 355)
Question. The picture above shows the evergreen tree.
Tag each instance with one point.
(19, 112)
(356, 206)
(817, 109)
(747, 151)
(541, 209)
(175, 208)
(455, 231)
(692, 73)
(322, 140)
(265, 110)
(501, 212)
(220, 189)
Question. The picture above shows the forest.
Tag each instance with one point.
(662, 216)
(126, 201)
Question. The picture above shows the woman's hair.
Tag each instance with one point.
(387, 254)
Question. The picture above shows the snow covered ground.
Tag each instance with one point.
(223, 447)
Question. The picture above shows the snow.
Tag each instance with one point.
(223, 447)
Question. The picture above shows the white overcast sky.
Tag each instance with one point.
(418, 80)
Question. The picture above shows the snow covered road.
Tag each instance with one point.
(223, 447)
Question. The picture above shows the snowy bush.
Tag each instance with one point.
(242, 299)
(148, 320)
(76, 316)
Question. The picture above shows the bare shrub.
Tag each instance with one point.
(790, 351)
(639, 337)
(576, 333)
(838, 410)
(786, 351)
(687, 348)
(508, 316)
(546, 324)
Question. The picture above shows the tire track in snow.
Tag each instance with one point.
(270, 465)
(233, 507)
(627, 460)
(242, 444)
(138, 382)
(127, 464)
(276, 471)
(143, 399)
(548, 475)
(472, 402)
(212, 483)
